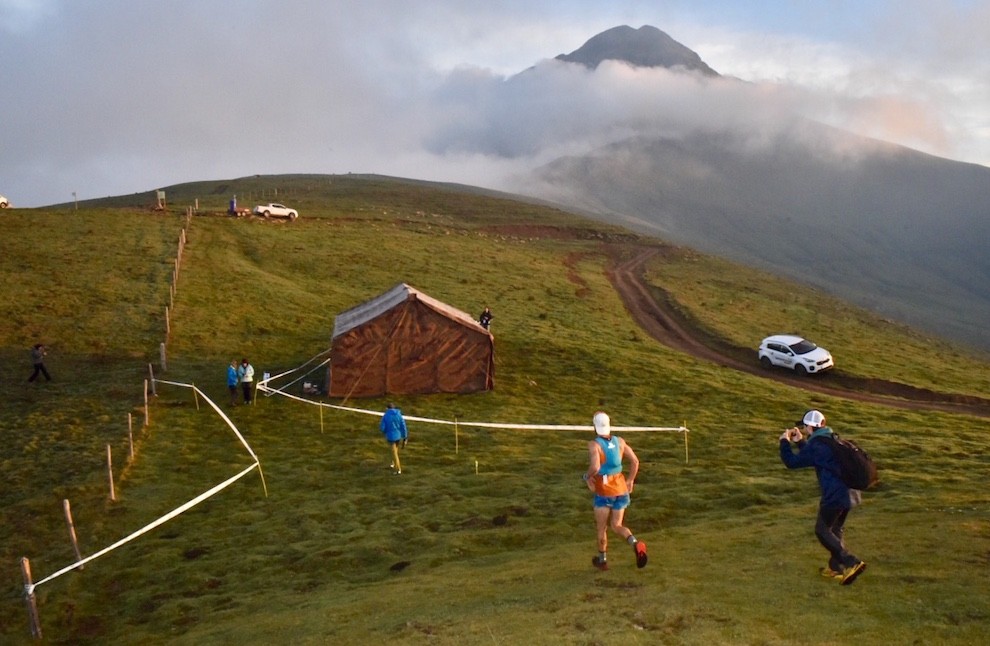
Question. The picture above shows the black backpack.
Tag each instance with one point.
(856, 468)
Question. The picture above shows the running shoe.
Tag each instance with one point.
(599, 563)
(829, 573)
(640, 548)
(851, 573)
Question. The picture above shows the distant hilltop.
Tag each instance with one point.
(643, 47)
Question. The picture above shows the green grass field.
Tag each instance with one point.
(487, 540)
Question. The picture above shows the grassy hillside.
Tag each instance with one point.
(742, 305)
(856, 217)
(484, 541)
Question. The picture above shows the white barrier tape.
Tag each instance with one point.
(297, 369)
(525, 427)
(29, 589)
(222, 414)
(269, 391)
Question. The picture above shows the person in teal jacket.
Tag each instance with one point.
(836, 499)
(393, 426)
(232, 380)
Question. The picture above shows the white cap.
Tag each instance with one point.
(603, 425)
(814, 419)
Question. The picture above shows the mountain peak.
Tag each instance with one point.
(643, 47)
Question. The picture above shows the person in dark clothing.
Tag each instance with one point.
(836, 499)
(486, 318)
(245, 373)
(38, 353)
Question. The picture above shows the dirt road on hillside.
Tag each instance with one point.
(657, 314)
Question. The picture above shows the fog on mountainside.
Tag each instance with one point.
(903, 233)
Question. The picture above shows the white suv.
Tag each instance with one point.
(798, 354)
(3, 202)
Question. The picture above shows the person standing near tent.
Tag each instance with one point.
(232, 380)
(611, 488)
(836, 500)
(486, 318)
(38, 352)
(245, 373)
(393, 426)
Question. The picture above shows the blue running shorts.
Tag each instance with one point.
(612, 502)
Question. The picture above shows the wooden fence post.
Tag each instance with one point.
(72, 530)
(32, 604)
(161, 352)
(147, 414)
(685, 442)
(113, 494)
(168, 325)
(151, 378)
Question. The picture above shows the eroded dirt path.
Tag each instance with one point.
(652, 309)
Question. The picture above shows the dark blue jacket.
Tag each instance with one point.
(817, 453)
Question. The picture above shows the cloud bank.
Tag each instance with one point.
(117, 97)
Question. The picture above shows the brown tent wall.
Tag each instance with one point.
(414, 346)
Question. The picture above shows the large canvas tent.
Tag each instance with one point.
(405, 342)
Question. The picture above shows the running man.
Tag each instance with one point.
(612, 489)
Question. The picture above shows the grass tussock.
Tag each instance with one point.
(486, 537)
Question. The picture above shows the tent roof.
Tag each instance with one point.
(371, 309)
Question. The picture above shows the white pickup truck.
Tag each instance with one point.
(275, 211)
(3, 202)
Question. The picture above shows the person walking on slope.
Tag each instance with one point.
(232, 380)
(393, 426)
(611, 488)
(245, 373)
(38, 353)
(836, 498)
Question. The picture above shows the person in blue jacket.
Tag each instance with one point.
(393, 426)
(837, 499)
(232, 381)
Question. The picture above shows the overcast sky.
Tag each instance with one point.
(107, 97)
